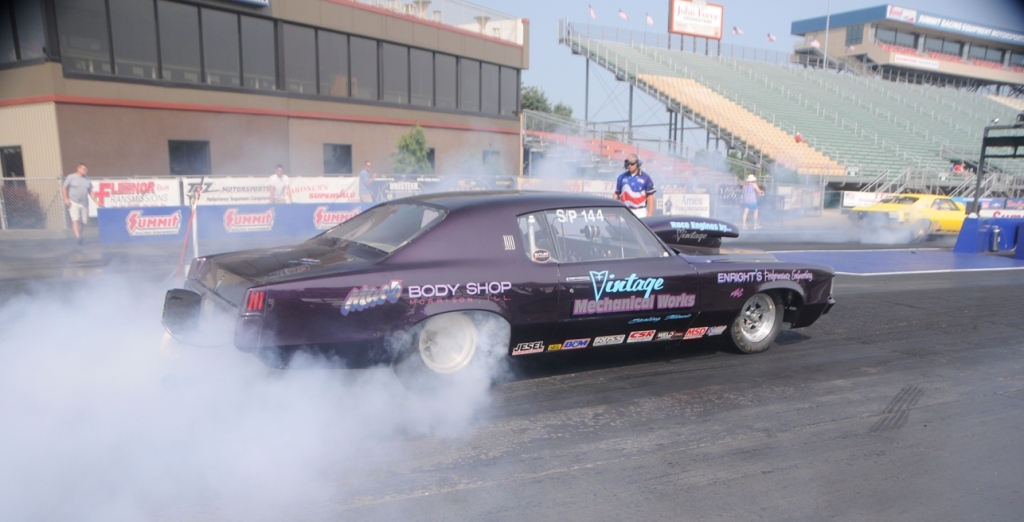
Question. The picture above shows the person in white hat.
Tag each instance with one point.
(750, 194)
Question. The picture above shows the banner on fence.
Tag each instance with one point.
(256, 191)
(861, 199)
(123, 193)
(687, 205)
(143, 224)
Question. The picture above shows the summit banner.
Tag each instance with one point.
(691, 19)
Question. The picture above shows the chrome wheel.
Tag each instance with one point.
(448, 342)
(757, 318)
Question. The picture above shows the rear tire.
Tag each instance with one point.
(445, 346)
(757, 324)
(919, 230)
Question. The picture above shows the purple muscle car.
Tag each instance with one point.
(428, 278)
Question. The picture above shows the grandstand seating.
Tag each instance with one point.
(867, 124)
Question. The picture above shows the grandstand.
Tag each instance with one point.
(855, 128)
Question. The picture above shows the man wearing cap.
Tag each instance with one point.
(750, 194)
(635, 188)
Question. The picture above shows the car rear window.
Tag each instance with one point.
(388, 227)
(900, 200)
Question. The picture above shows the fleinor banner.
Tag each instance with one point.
(123, 193)
(143, 224)
(256, 191)
(692, 19)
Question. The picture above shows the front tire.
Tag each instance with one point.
(757, 324)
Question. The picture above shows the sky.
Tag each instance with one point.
(561, 75)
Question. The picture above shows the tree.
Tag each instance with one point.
(534, 99)
(562, 109)
(413, 154)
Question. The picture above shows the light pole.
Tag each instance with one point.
(828, 19)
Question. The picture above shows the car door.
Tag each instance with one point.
(617, 283)
(949, 218)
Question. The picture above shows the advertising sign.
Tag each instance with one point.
(142, 224)
(256, 191)
(861, 199)
(688, 18)
(901, 14)
(300, 221)
(687, 205)
(599, 187)
(123, 193)
(914, 61)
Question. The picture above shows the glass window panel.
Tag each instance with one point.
(933, 44)
(134, 26)
(949, 47)
(220, 48)
(994, 55)
(333, 63)
(906, 39)
(82, 26)
(259, 69)
(602, 233)
(395, 73)
(489, 88)
(179, 42)
(855, 34)
(421, 63)
(337, 158)
(509, 91)
(469, 85)
(885, 35)
(189, 157)
(7, 54)
(445, 81)
(363, 53)
(28, 16)
(976, 51)
(299, 59)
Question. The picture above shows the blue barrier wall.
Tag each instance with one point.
(142, 225)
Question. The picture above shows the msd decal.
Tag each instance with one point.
(364, 297)
(324, 219)
(640, 337)
(235, 221)
(140, 225)
(695, 333)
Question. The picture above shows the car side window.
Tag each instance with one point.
(537, 242)
(600, 234)
(943, 204)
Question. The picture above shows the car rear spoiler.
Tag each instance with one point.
(691, 231)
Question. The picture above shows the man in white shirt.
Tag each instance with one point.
(280, 190)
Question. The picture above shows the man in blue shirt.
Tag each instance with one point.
(635, 188)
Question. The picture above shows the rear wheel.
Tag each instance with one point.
(447, 342)
(757, 324)
(919, 230)
(446, 346)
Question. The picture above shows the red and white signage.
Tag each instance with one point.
(139, 224)
(120, 193)
(640, 337)
(325, 190)
(687, 205)
(324, 219)
(914, 61)
(235, 221)
(256, 191)
(901, 13)
(696, 333)
(1001, 213)
(690, 19)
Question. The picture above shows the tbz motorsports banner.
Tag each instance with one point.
(256, 191)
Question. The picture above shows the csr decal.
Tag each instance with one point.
(235, 221)
(324, 219)
(525, 348)
(364, 297)
(640, 337)
(140, 225)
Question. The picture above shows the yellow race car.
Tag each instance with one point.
(919, 214)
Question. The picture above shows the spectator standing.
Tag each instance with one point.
(77, 189)
(750, 194)
(366, 179)
(280, 189)
(635, 188)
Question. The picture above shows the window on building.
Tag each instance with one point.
(987, 54)
(131, 25)
(1016, 60)
(189, 157)
(363, 55)
(855, 34)
(445, 81)
(951, 47)
(421, 66)
(259, 69)
(430, 159)
(337, 158)
(221, 48)
(333, 52)
(509, 91)
(179, 42)
(885, 35)
(905, 39)
(82, 27)
(469, 85)
(28, 18)
(10, 162)
(488, 88)
(8, 54)
(299, 59)
(395, 72)
(933, 44)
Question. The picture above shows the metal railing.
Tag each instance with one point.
(457, 13)
(32, 203)
(641, 140)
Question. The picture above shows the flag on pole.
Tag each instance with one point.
(650, 21)
(622, 15)
(592, 13)
(851, 49)
(771, 37)
(736, 30)
(816, 44)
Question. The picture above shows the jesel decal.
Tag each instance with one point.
(359, 299)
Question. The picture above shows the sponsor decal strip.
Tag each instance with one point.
(359, 299)
(525, 348)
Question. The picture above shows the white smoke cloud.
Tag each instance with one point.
(97, 425)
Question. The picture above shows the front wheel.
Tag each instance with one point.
(919, 230)
(757, 324)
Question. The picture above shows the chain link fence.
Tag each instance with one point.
(32, 203)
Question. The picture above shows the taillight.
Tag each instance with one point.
(254, 301)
